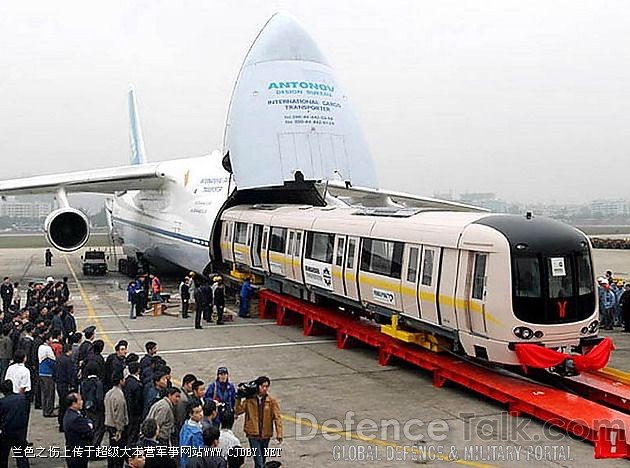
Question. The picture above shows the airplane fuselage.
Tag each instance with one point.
(173, 224)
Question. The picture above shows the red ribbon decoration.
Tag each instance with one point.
(539, 357)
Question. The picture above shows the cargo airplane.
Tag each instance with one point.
(291, 136)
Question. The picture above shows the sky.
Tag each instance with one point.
(530, 100)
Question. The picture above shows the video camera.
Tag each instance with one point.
(247, 389)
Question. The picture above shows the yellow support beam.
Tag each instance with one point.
(423, 339)
(616, 374)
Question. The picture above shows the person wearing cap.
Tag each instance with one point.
(219, 299)
(86, 346)
(262, 415)
(184, 294)
(48, 255)
(222, 391)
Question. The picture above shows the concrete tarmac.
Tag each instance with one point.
(340, 408)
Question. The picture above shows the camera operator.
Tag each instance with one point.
(262, 414)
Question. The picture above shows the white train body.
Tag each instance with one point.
(485, 281)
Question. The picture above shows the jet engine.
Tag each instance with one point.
(67, 229)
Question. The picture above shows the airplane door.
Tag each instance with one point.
(337, 267)
(410, 269)
(477, 292)
(428, 284)
(350, 268)
(256, 250)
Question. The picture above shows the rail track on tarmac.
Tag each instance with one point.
(594, 406)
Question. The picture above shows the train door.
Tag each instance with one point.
(427, 289)
(296, 260)
(289, 273)
(256, 247)
(226, 246)
(410, 269)
(277, 250)
(350, 269)
(447, 283)
(264, 253)
(337, 267)
(477, 292)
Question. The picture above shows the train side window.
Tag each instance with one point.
(340, 251)
(319, 246)
(427, 267)
(278, 239)
(382, 257)
(585, 274)
(290, 246)
(412, 268)
(298, 244)
(264, 240)
(527, 277)
(351, 253)
(241, 233)
(479, 276)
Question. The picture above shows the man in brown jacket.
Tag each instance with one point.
(262, 414)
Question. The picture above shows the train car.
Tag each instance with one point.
(485, 282)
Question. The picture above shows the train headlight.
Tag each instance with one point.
(593, 326)
(583, 330)
(524, 333)
(538, 334)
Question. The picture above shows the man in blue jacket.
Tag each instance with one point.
(13, 424)
(78, 430)
(190, 434)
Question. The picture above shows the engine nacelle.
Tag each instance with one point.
(67, 229)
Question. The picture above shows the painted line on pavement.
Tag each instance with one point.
(88, 304)
(255, 346)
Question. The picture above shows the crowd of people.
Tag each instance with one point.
(127, 399)
(614, 302)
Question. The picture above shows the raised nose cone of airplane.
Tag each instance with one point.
(283, 38)
(289, 118)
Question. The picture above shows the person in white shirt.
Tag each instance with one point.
(47, 361)
(20, 377)
(18, 374)
(227, 439)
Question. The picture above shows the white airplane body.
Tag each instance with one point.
(289, 121)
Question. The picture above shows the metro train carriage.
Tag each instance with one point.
(484, 282)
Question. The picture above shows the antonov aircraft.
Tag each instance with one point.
(291, 137)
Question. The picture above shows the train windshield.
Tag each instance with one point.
(550, 289)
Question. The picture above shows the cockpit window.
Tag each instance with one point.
(527, 281)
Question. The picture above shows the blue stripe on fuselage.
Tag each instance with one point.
(164, 232)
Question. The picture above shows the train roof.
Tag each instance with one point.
(424, 226)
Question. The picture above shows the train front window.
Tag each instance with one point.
(527, 278)
(560, 278)
(553, 289)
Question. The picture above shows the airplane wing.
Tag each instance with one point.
(110, 180)
(369, 197)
